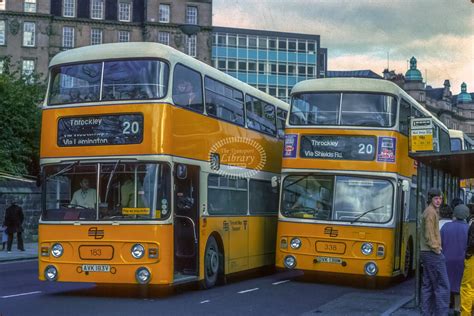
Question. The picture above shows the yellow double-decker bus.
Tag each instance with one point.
(348, 187)
(156, 169)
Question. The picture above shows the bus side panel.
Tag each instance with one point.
(344, 244)
(114, 242)
(262, 233)
(249, 242)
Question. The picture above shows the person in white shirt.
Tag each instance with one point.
(85, 196)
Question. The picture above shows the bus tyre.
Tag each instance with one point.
(211, 263)
(408, 258)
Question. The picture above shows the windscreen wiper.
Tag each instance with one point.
(63, 170)
(366, 212)
(110, 180)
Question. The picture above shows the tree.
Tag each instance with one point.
(20, 120)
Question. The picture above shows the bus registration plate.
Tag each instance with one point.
(328, 260)
(95, 268)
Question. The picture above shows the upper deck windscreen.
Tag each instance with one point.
(347, 109)
(108, 81)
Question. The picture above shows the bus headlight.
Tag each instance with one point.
(371, 269)
(290, 262)
(57, 250)
(367, 248)
(51, 273)
(138, 251)
(143, 275)
(295, 243)
(283, 243)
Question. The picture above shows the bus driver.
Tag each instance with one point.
(85, 196)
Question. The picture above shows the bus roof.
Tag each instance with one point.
(156, 50)
(361, 85)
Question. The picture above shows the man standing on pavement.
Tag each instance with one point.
(435, 287)
(13, 221)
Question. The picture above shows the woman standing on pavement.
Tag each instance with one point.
(454, 244)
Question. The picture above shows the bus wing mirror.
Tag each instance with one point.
(405, 186)
(275, 181)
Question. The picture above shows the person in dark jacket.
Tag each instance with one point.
(14, 221)
(454, 244)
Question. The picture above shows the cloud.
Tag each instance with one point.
(439, 33)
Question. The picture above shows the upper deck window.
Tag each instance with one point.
(347, 109)
(122, 80)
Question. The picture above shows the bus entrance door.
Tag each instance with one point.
(186, 221)
(399, 227)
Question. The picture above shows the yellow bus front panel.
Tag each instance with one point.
(331, 248)
(168, 130)
(107, 250)
(402, 165)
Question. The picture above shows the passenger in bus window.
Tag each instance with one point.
(186, 96)
(85, 196)
(127, 193)
(75, 95)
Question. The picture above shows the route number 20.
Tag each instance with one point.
(366, 149)
(130, 127)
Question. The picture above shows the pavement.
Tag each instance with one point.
(31, 252)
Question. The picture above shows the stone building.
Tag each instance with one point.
(33, 31)
(28, 196)
(455, 111)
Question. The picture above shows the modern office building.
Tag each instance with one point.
(33, 31)
(270, 61)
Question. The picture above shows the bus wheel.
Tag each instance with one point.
(211, 263)
(408, 257)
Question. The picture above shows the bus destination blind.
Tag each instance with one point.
(338, 147)
(117, 129)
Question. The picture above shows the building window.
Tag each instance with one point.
(164, 38)
(221, 65)
(68, 37)
(123, 36)
(164, 13)
(28, 67)
(191, 15)
(191, 42)
(30, 6)
(29, 33)
(124, 11)
(97, 9)
(96, 36)
(2, 32)
(2, 63)
(2, 5)
(69, 8)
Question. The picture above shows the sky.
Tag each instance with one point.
(360, 34)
